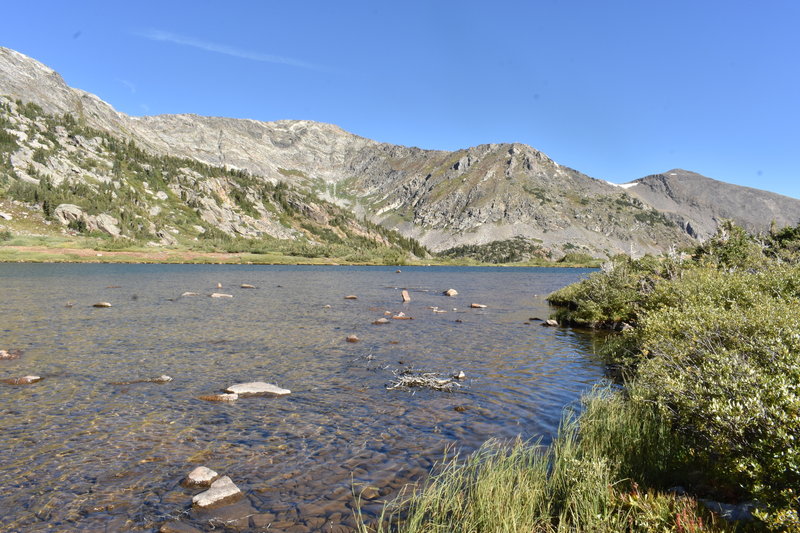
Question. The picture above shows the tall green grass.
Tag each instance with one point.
(588, 479)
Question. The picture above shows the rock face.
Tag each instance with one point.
(222, 491)
(474, 196)
(257, 388)
(68, 214)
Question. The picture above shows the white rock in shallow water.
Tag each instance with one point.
(200, 477)
(24, 380)
(188, 293)
(257, 388)
(221, 491)
(450, 292)
(221, 295)
(101, 304)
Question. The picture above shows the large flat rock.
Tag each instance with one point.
(221, 491)
(257, 388)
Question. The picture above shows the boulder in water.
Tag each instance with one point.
(200, 477)
(221, 491)
(24, 380)
(257, 388)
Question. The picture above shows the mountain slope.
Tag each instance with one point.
(698, 203)
(487, 193)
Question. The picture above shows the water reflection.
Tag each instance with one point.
(79, 453)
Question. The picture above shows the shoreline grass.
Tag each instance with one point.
(589, 479)
(43, 249)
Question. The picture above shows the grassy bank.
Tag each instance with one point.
(710, 353)
(77, 249)
(607, 470)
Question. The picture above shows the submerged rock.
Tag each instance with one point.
(382, 320)
(219, 397)
(221, 491)
(160, 379)
(178, 527)
(24, 380)
(257, 388)
(9, 354)
(200, 477)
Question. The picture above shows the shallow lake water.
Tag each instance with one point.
(81, 453)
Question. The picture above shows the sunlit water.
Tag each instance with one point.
(78, 453)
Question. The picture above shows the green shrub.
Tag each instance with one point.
(716, 346)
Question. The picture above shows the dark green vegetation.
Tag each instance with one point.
(709, 351)
(508, 251)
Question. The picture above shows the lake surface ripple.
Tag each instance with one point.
(79, 453)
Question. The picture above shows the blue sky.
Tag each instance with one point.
(615, 89)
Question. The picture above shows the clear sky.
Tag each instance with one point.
(615, 89)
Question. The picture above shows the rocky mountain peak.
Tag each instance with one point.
(468, 197)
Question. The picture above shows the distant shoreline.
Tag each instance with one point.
(45, 254)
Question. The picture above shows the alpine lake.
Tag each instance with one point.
(97, 446)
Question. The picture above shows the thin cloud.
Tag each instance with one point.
(164, 36)
(128, 84)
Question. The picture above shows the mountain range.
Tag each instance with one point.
(176, 178)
